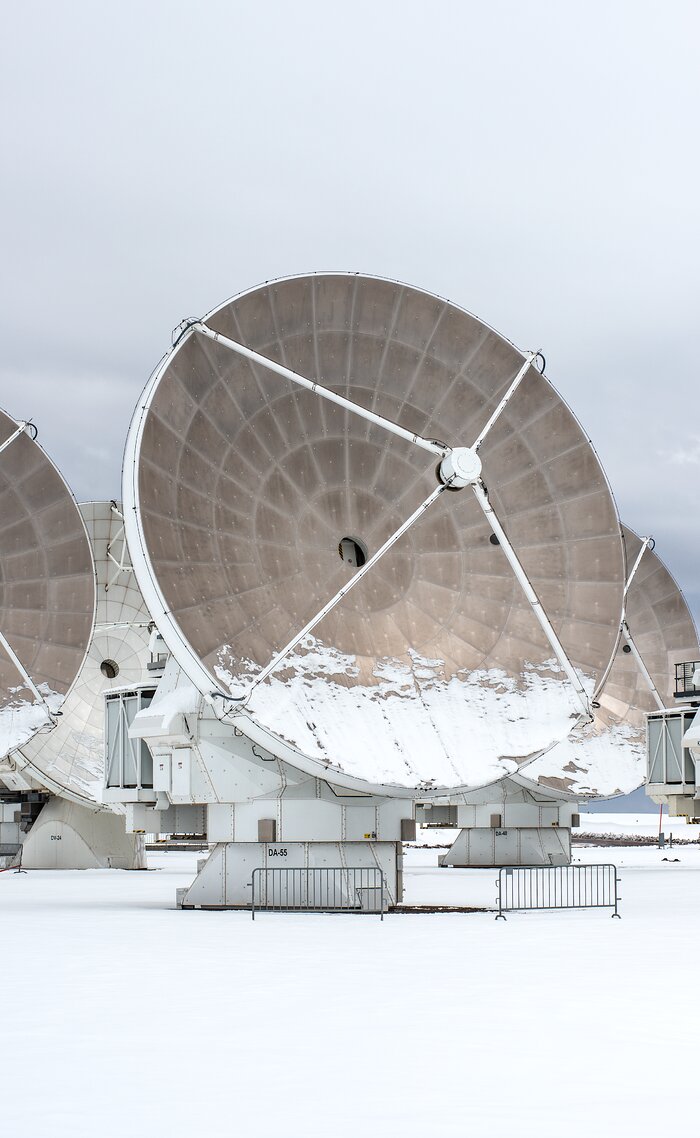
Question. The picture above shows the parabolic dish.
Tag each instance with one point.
(608, 757)
(250, 501)
(70, 759)
(47, 587)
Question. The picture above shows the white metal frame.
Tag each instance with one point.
(685, 716)
(122, 562)
(123, 742)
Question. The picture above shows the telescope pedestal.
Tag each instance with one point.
(514, 845)
(227, 877)
(68, 836)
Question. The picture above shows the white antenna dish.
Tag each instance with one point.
(70, 759)
(47, 587)
(370, 526)
(608, 757)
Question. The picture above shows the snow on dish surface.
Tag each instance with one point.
(407, 724)
(20, 720)
(608, 757)
(594, 760)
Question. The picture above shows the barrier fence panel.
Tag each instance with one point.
(319, 889)
(525, 888)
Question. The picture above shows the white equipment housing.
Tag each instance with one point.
(68, 836)
(673, 748)
(260, 810)
(505, 824)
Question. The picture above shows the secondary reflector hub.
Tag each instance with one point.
(460, 467)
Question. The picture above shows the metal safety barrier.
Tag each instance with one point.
(524, 888)
(319, 889)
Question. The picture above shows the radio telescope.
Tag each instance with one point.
(47, 588)
(373, 534)
(608, 756)
(55, 661)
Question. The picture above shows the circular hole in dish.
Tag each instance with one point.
(352, 551)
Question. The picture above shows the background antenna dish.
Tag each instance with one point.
(47, 587)
(70, 760)
(242, 479)
(609, 757)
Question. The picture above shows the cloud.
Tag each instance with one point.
(567, 223)
(687, 455)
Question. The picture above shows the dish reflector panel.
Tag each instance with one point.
(609, 757)
(248, 498)
(47, 587)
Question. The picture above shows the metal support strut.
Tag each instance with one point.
(25, 674)
(642, 667)
(532, 598)
(23, 426)
(647, 543)
(529, 361)
(355, 580)
(325, 392)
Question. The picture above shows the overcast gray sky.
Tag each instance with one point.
(536, 162)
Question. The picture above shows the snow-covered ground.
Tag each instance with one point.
(643, 825)
(618, 825)
(123, 1016)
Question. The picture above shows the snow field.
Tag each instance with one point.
(124, 1016)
